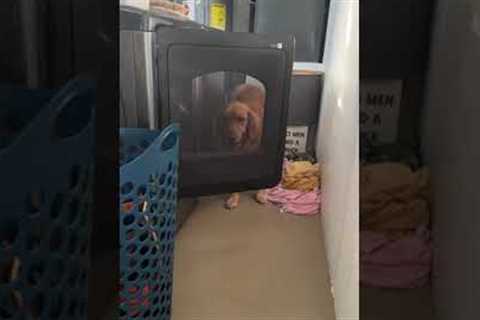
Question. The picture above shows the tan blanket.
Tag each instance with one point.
(393, 198)
(301, 175)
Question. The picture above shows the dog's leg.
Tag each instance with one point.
(261, 197)
(232, 201)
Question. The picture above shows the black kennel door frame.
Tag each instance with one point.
(182, 55)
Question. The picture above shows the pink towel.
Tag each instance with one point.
(294, 201)
(402, 263)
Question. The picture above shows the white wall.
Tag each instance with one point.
(452, 149)
(338, 152)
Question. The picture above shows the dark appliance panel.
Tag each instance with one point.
(196, 63)
(195, 72)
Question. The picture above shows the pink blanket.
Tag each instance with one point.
(402, 263)
(294, 201)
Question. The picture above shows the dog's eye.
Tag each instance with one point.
(241, 119)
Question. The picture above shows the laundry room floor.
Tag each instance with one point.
(251, 263)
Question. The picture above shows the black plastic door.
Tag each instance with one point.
(197, 72)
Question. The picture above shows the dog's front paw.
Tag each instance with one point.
(232, 201)
(261, 197)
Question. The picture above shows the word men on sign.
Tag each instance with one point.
(379, 110)
(296, 139)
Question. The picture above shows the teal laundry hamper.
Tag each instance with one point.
(46, 172)
(148, 200)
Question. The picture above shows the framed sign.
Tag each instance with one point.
(379, 110)
(296, 139)
(218, 16)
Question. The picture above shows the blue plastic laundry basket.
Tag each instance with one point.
(148, 199)
(46, 170)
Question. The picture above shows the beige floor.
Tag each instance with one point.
(252, 263)
(381, 304)
(257, 264)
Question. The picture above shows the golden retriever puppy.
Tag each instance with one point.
(243, 120)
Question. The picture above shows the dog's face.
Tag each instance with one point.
(236, 118)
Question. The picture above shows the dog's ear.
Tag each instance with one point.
(254, 128)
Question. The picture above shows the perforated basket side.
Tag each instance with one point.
(46, 202)
(148, 194)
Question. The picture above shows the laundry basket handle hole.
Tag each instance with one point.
(169, 141)
(73, 108)
(74, 116)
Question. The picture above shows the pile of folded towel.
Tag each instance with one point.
(299, 191)
(301, 175)
(395, 244)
